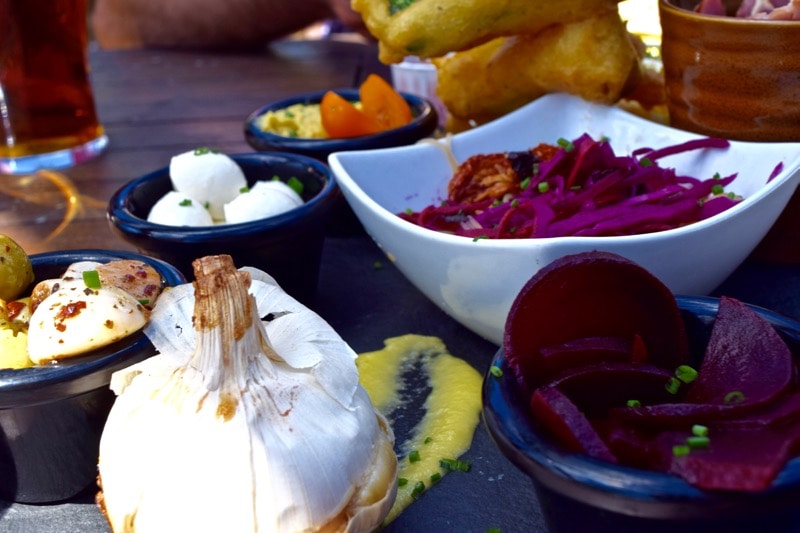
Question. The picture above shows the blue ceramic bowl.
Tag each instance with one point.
(52, 416)
(343, 222)
(423, 124)
(578, 493)
(287, 246)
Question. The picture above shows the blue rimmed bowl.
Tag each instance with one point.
(578, 493)
(287, 246)
(51, 416)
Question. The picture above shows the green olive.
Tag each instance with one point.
(16, 272)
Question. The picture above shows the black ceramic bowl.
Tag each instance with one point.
(578, 493)
(286, 246)
(424, 122)
(51, 416)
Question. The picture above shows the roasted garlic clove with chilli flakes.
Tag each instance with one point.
(241, 424)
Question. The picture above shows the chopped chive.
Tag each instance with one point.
(402, 482)
(436, 477)
(566, 145)
(699, 430)
(673, 385)
(296, 185)
(409, 211)
(144, 301)
(514, 202)
(92, 279)
(695, 442)
(524, 184)
(455, 465)
(680, 450)
(717, 189)
(428, 440)
(205, 150)
(419, 488)
(479, 237)
(686, 373)
(646, 162)
(496, 371)
(734, 397)
(186, 202)
(543, 186)
(633, 403)
(413, 456)
(244, 189)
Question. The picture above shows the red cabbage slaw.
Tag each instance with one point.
(587, 190)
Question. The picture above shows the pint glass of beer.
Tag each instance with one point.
(47, 111)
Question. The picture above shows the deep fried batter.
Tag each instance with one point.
(433, 28)
(592, 58)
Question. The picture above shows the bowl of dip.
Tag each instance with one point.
(294, 125)
(52, 415)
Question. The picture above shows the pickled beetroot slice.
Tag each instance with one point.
(744, 354)
(591, 294)
(567, 424)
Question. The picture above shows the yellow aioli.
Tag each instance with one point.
(452, 409)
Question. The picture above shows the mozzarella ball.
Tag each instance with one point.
(178, 209)
(212, 178)
(264, 199)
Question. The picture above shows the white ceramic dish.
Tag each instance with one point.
(475, 282)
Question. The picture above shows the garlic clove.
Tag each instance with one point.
(262, 425)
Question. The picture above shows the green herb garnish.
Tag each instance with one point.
(455, 465)
(496, 371)
(419, 488)
(92, 279)
(186, 202)
(413, 456)
(686, 373)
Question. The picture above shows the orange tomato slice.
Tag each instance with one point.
(340, 118)
(380, 101)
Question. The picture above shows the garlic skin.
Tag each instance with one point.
(243, 425)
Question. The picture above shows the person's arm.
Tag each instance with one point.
(204, 23)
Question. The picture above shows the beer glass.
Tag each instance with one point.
(47, 111)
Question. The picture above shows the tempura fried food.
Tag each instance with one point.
(433, 28)
(593, 58)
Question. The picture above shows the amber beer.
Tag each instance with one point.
(47, 111)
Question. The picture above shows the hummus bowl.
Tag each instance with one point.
(475, 281)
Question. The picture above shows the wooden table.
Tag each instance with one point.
(155, 104)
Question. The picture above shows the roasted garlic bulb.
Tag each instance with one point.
(241, 424)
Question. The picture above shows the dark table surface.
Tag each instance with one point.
(155, 104)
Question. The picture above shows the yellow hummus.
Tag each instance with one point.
(452, 407)
(298, 120)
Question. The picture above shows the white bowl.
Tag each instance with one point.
(475, 282)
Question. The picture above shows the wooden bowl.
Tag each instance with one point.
(731, 77)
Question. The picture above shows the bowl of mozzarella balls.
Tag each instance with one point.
(267, 210)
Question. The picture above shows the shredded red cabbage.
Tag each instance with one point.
(587, 190)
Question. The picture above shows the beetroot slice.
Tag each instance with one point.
(591, 294)
(746, 461)
(565, 422)
(595, 389)
(744, 354)
(586, 351)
